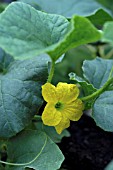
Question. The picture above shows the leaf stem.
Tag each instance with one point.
(111, 73)
(37, 118)
(98, 92)
(51, 73)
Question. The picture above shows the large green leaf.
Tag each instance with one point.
(31, 32)
(82, 7)
(97, 71)
(36, 150)
(108, 32)
(20, 94)
(103, 111)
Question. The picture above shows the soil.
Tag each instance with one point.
(88, 147)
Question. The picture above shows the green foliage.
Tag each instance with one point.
(109, 166)
(107, 32)
(107, 4)
(20, 94)
(98, 12)
(72, 7)
(100, 17)
(51, 132)
(33, 3)
(33, 149)
(86, 87)
(73, 62)
(54, 35)
(97, 71)
(103, 111)
(37, 35)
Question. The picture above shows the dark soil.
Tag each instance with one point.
(88, 148)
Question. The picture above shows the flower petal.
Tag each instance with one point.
(49, 93)
(74, 110)
(51, 116)
(67, 92)
(64, 123)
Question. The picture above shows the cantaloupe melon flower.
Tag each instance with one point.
(62, 106)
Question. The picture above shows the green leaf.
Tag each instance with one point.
(73, 60)
(103, 111)
(5, 60)
(97, 71)
(100, 17)
(87, 88)
(107, 32)
(31, 32)
(20, 94)
(51, 132)
(107, 4)
(109, 166)
(34, 149)
(82, 7)
(33, 3)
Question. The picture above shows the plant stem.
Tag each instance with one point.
(51, 72)
(37, 118)
(98, 92)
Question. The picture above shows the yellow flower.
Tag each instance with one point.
(62, 105)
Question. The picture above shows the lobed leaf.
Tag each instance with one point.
(35, 150)
(82, 8)
(97, 71)
(103, 111)
(20, 94)
(31, 32)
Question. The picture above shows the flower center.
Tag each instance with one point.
(58, 105)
